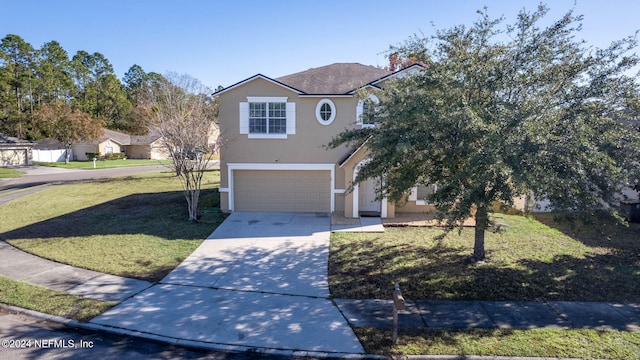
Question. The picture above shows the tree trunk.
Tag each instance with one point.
(482, 220)
(67, 154)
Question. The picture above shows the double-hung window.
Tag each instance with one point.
(366, 110)
(265, 117)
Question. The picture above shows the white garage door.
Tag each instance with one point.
(282, 190)
(11, 157)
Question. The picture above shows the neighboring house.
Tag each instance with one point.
(110, 142)
(14, 151)
(273, 136)
(147, 147)
(134, 146)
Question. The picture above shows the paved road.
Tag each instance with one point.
(38, 178)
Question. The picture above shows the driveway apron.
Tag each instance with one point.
(259, 280)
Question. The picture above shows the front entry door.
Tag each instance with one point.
(367, 195)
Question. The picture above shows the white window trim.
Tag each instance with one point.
(413, 195)
(267, 99)
(360, 110)
(260, 166)
(333, 112)
(244, 116)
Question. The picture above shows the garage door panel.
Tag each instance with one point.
(282, 190)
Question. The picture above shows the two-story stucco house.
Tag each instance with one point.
(273, 132)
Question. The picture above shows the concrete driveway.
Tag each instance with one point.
(259, 280)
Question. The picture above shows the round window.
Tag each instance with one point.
(325, 112)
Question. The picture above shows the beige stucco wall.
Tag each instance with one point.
(159, 152)
(306, 146)
(308, 140)
(303, 147)
(138, 152)
(117, 147)
(79, 151)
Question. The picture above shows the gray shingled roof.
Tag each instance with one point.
(121, 138)
(145, 139)
(11, 141)
(339, 78)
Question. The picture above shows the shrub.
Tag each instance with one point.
(114, 156)
(92, 155)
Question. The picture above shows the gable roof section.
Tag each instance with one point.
(254, 77)
(120, 138)
(334, 79)
(145, 139)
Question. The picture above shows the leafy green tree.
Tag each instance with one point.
(67, 125)
(500, 112)
(17, 82)
(135, 81)
(16, 62)
(99, 92)
(54, 71)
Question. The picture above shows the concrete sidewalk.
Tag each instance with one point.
(433, 314)
(19, 265)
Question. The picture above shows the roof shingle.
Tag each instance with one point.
(339, 78)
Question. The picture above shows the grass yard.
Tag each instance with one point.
(104, 164)
(534, 259)
(134, 226)
(544, 343)
(9, 173)
(49, 301)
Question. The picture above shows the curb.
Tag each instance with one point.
(203, 345)
(191, 343)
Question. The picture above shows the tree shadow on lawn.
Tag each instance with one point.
(594, 229)
(445, 273)
(162, 214)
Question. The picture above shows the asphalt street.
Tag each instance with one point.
(38, 178)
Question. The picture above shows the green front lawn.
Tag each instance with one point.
(134, 226)
(536, 258)
(18, 293)
(9, 173)
(544, 343)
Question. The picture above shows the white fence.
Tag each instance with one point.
(50, 155)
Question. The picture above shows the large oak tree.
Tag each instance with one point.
(506, 111)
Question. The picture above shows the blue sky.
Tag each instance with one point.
(223, 42)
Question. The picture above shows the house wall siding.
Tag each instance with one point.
(306, 146)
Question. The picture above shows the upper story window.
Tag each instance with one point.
(267, 118)
(325, 112)
(365, 113)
